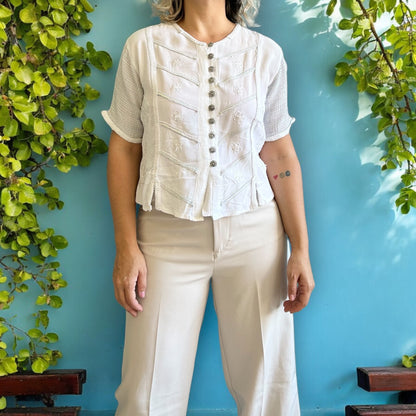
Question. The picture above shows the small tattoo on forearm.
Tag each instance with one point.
(282, 175)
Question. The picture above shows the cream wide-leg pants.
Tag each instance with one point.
(244, 258)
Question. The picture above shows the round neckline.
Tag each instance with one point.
(200, 42)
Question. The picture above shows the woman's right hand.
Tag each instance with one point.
(129, 279)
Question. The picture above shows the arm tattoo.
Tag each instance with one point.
(282, 175)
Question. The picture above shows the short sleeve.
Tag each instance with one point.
(277, 120)
(124, 114)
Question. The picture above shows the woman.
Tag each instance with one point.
(200, 139)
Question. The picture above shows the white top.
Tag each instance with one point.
(202, 113)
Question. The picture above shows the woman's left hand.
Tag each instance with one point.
(300, 282)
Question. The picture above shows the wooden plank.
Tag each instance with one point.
(386, 378)
(50, 382)
(42, 411)
(381, 410)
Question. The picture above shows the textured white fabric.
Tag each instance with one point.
(202, 113)
(244, 258)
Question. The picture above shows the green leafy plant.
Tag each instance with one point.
(383, 64)
(408, 360)
(41, 83)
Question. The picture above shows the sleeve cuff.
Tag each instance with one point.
(106, 116)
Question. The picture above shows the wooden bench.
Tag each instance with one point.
(42, 411)
(381, 410)
(42, 387)
(386, 379)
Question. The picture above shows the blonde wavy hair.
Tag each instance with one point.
(243, 12)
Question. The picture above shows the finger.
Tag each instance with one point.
(142, 284)
(300, 302)
(132, 305)
(292, 287)
(122, 298)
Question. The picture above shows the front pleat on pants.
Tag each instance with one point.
(244, 258)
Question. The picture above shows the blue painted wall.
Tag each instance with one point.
(362, 311)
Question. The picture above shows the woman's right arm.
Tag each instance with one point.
(129, 274)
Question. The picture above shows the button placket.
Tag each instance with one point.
(211, 107)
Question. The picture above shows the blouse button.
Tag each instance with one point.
(212, 94)
(211, 69)
(211, 80)
(213, 163)
(211, 121)
(210, 56)
(212, 149)
(210, 45)
(211, 135)
(211, 107)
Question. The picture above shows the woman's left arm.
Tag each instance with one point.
(285, 176)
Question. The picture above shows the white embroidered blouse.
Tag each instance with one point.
(202, 113)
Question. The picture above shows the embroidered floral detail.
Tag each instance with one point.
(177, 116)
(177, 147)
(238, 117)
(176, 62)
(177, 86)
(235, 147)
(238, 90)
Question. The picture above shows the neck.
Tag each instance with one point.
(206, 20)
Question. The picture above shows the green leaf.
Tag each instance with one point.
(41, 127)
(47, 140)
(27, 220)
(331, 7)
(48, 40)
(87, 6)
(23, 353)
(47, 249)
(57, 4)
(40, 365)
(90, 93)
(56, 31)
(45, 21)
(3, 403)
(101, 60)
(11, 128)
(23, 239)
(405, 208)
(59, 17)
(22, 117)
(41, 88)
(59, 241)
(5, 12)
(13, 208)
(4, 150)
(9, 364)
(88, 125)
(41, 300)
(42, 319)
(24, 152)
(4, 296)
(52, 337)
(24, 105)
(28, 14)
(58, 79)
(35, 333)
(345, 24)
(384, 123)
(55, 302)
(99, 146)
